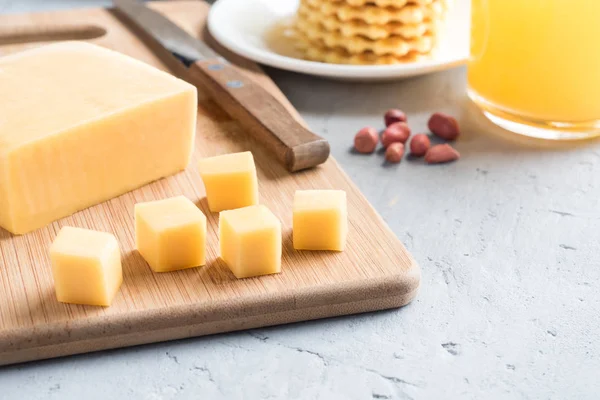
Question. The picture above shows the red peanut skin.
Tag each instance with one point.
(396, 132)
(366, 140)
(394, 115)
(394, 152)
(441, 153)
(419, 145)
(444, 126)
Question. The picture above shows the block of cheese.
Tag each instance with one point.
(320, 220)
(86, 266)
(230, 181)
(80, 124)
(250, 241)
(170, 234)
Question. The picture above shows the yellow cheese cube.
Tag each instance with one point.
(250, 241)
(80, 124)
(230, 181)
(320, 220)
(170, 234)
(86, 266)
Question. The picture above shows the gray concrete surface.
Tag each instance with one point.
(507, 239)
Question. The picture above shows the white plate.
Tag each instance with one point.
(248, 28)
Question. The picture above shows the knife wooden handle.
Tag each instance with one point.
(261, 113)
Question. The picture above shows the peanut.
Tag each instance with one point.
(444, 126)
(394, 152)
(441, 153)
(394, 115)
(366, 140)
(396, 132)
(419, 145)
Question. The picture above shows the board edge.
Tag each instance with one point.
(201, 319)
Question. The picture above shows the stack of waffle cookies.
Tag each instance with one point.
(368, 31)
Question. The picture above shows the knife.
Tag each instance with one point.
(240, 96)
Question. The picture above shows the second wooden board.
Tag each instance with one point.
(375, 272)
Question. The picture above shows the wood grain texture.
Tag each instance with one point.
(375, 272)
(261, 114)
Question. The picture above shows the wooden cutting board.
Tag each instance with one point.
(375, 272)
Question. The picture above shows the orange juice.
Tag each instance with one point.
(537, 60)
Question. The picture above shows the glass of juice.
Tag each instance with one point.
(535, 66)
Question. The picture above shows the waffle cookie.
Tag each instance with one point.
(368, 31)
(310, 19)
(340, 56)
(373, 14)
(393, 45)
(384, 3)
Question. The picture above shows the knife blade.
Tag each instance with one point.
(245, 100)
